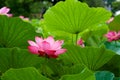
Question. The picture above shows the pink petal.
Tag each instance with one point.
(111, 36)
(39, 41)
(51, 53)
(50, 39)
(45, 45)
(33, 49)
(57, 44)
(80, 42)
(4, 10)
(60, 51)
(32, 43)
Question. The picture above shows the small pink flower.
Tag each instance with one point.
(22, 17)
(112, 36)
(46, 47)
(4, 11)
(80, 42)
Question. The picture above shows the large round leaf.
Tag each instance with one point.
(14, 32)
(83, 75)
(73, 16)
(17, 58)
(23, 74)
(60, 68)
(92, 57)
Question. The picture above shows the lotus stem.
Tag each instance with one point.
(44, 67)
(76, 37)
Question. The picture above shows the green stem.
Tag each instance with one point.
(44, 67)
(72, 38)
(76, 38)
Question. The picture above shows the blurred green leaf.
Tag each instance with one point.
(73, 16)
(29, 73)
(104, 75)
(114, 46)
(95, 37)
(84, 75)
(92, 57)
(117, 78)
(64, 69)
(15, 32)
(17, 58)
(113, 65)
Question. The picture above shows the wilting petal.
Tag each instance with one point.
(60, 51)
(33, 49)
(57, 44)
(32, 43)
(45, 45)
(50, 40)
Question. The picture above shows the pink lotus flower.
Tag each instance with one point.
(4, 11)
(46, 47)
(22, 17)
(112, 36)
(80, 42)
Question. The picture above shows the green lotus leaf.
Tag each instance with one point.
(83, 75)
(104, 75)
(29, 73)
(15, 32)
(95, 37)
(91, 57)
(73, 16)
(17, 58)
